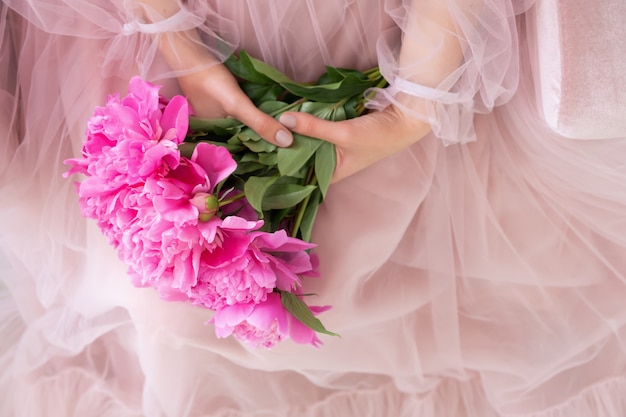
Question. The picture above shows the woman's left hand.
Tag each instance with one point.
(362, 141)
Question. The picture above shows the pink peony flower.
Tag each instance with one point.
(132, 137)
(128, 140)
(287, 256)
(176, 195)
(264, 324)
(166, 242)
(169, 238)
(270, 261)
(176, 229)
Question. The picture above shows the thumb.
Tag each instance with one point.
(308, 125)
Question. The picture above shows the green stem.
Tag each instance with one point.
(372, 73)
(382, 83)
(311, 180)
(360, 108)
(232, 199)
(337, 105)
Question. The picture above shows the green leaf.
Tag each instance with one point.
(325, 93)
(341, 73)
(251, 140)
(268, 158)
(232, 148)
(308, 219)
(186, 149)
(230, 131)
(249, 157)
(260, 70)
(349, 83)
(290, 160)
(272, 106)
(262, 93)
(280, 196)
(334, 74)
(208, 125)
(235, 141)
(333, 92)
(325, 162)
(350, 108)
(301, 311)
(243, 68)
(249, 168)
(248, 134)
(255, 188)
(339, 113)
(265, 158)
(260, 146)
(289, 179)
(321, 110)
(273, 219)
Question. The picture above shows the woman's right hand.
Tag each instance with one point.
(215, 93)
(211, 89)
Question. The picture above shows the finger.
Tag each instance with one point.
(309, 125)
(263, 124)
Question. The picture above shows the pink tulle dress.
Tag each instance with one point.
(479, 273)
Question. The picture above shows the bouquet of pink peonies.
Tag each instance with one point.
(205, 211)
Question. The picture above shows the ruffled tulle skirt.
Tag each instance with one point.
(483, 279)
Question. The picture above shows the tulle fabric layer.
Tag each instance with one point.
(352, 34)
(484, 279)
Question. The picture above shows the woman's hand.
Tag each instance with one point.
(362, 141)
(214, 93)
(212, 90)
(431, 50)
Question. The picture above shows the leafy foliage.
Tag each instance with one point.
(286, 185)
(309, 163)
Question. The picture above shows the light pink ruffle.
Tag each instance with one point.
(483, 278)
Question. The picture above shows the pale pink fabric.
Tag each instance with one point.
(580, 66)
(485, 278)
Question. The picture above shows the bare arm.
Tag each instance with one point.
(210, 87)
(430, 51)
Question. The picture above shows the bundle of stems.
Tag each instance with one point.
(285, 185)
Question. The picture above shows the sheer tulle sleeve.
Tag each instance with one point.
(456, 58)
(132, 31)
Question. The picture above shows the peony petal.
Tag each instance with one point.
(143, 97)
(77, 166)
(238, 223)
(286, 280)
(269, 311)
(216, 161)
(156, 156)
(279, 241)
(232, 246)
(209, 228)
(175, 119)
(232, 315)
(188, 175)
(302, 334)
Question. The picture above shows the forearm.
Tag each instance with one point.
(183, 50)
(452, 64)
(164, 8)
(431, 48)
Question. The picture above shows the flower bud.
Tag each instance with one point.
(207, 205)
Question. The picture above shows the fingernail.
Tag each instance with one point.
(287, 120)
(284, 138)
